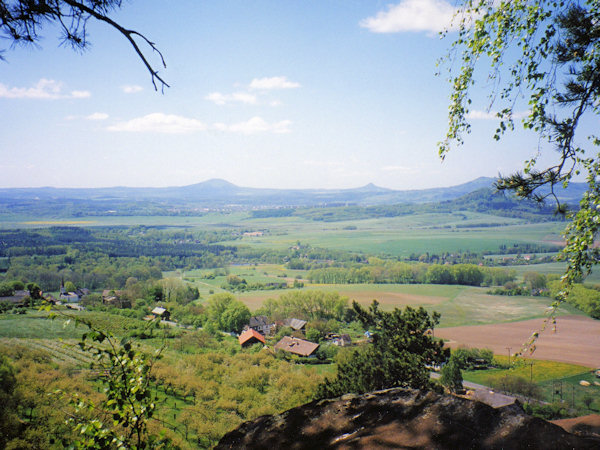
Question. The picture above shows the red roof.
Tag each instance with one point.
(249, 334)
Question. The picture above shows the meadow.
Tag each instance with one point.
(386, 236)
(557, 381)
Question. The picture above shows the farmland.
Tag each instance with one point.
(576, 339)
(205, 383)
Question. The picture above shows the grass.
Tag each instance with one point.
(555, 268)
(558, 382)
(458, 305)
(395, 236)
(570, 391)
(37, 326)
(541, 371)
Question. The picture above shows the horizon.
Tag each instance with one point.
(318, 95)
(242, 186)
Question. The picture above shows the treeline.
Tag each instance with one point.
(91, 271)
(300, 256)
(115, 242)
(405, 273)
(307, 305)
(105, 258)
(584, 298)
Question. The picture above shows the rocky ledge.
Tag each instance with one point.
(402, 418)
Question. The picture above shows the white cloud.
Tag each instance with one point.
(97, 116)
(80, 94)
(44, 89)
(412, 15)
(493, 115)
(254, 126)
(131, 89)
(222, 99)
(173, 124)
(273, 83)
(160, 123)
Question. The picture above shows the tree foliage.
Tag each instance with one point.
(308, 305)
(547, 52)
(121, 419)
(401, 353)
(8, 419)
(227, 312)
(21, 22)
(451, 376)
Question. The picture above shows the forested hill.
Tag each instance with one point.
(329, 204)
(486, 200)
(219, 193)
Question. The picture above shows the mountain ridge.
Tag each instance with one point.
(220, 193)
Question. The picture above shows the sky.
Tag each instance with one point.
(263, 93)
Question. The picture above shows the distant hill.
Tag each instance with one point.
(220, 192)
(484, 200)
(217, 194)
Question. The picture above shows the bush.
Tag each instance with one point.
(473, 358)
(451, 375)
(516, 385)
(552, 411)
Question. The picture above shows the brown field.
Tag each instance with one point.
(576, 340)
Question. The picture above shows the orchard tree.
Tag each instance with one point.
(21, 22)
(400, 355)
(121, 419)
(542, 56)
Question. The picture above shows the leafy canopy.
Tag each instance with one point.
(401, 354)
(546, 52)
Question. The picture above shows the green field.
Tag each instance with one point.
(458, 305)
(556, 268)
(392, 236)
(558, 382)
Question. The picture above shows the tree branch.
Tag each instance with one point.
(129, 35)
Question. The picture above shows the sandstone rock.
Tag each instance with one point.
(401, 418)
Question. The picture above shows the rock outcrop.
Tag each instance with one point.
(401, 418)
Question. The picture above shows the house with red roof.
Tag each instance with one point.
(250, 337)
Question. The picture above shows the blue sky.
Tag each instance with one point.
(279, 94)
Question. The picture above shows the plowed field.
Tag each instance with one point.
(576, 340)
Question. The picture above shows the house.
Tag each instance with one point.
(69, 297)
(262, 324)
(161, 313)
(115, 298)
(250, 337)
(296, 346)
(343, 341)
(295, 324)
(74, 296)
(253, 233)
